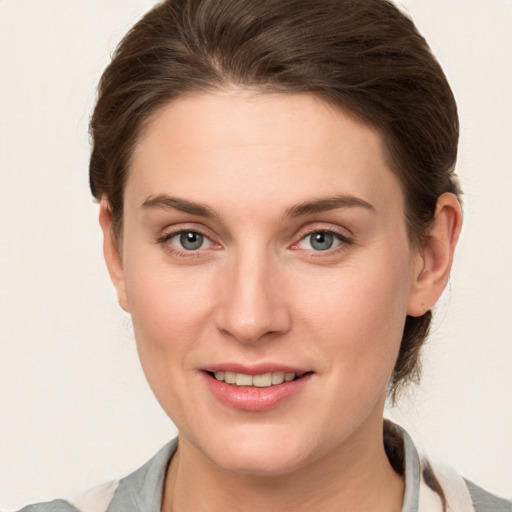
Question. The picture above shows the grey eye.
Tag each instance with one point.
(321, 240)
(190, 240)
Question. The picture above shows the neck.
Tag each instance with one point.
(353, 478)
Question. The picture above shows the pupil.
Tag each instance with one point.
(191, 241)
(322, 241)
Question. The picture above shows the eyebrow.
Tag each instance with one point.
(182, 205)
(299, 210)
(327, 204)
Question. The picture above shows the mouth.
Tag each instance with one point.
(259, 390)
(263, 380)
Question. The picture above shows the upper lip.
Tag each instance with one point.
(254, 369)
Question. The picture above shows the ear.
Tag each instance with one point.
(112, 255)
(434, 258)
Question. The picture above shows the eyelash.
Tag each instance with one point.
(343, 240)
(165, 239)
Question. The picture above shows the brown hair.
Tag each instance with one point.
(364, 56)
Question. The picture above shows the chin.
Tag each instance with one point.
(257, 462)
(263, 451)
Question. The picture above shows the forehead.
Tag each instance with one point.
(288, 147)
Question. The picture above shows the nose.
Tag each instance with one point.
(252, 303)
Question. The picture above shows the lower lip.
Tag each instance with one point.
(250, 398)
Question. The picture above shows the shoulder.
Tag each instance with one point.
(96, 499)
(454, 492)
(51, 506)
(433, 486)
(141, 490)
(485, 501)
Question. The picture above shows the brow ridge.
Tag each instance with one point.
(327, 204)
(182, 205)
(302, 209)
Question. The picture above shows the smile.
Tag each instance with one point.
(259, 390)
(263, 380)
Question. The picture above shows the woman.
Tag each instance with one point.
(280, 211)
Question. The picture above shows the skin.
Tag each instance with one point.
(258, 291)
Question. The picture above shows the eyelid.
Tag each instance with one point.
(204, 240)
(185, 227)
(308, 239)
(168, 233)
(344, 235)
(342, 232)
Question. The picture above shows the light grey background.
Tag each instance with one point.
(74, 406)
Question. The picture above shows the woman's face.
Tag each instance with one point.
(264, 239)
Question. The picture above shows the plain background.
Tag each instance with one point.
(74, 406)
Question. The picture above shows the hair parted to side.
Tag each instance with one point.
(364, 56)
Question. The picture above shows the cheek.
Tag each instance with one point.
(169, 313)
(358, 317)
(168, 306)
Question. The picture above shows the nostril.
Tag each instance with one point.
(249, 305)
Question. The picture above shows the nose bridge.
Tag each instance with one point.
(251, 304)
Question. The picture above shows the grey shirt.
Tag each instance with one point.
(429, 487)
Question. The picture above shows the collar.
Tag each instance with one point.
(428, 487)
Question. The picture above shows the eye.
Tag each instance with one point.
(320, 241)
(188, 240)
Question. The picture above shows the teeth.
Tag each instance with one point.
(277, 378)
(264, 380)
(243, 380)
(229, 377)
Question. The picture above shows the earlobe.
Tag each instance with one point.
(435, 257)
(111, 253)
